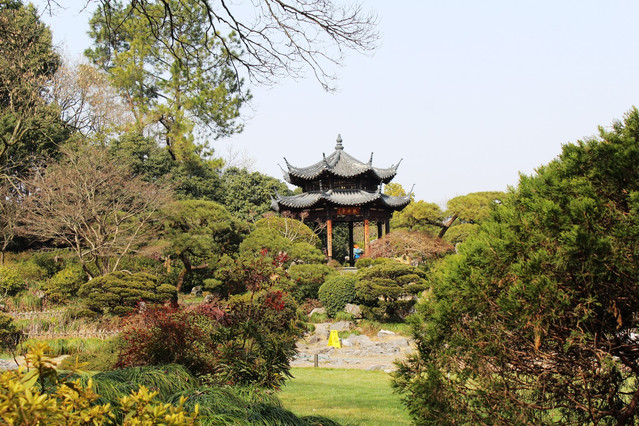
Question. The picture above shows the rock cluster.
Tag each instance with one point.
(358, 351)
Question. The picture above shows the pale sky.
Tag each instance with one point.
(468, 93)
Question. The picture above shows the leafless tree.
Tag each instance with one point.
(278, 37)
(88, 102)
(94, 205)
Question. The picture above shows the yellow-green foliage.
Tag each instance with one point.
(38, 395)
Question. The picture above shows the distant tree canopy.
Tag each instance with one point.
(169, 90)
(270, 38)
(248, 194)
(29, 125)
(419, 216)
(533, 321)
(465, 212)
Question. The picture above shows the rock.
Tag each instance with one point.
(346, 343)
(384, 333)
(353, 310)
(324, 351)
(196, 291)
(361, 340)
(314, 339)
(378, 367)
(317, 311)
(6, 364)
(209, 298)
(400, 343)
(342, 326)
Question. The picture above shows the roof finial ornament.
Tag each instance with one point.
(370, 161)
(339, 143)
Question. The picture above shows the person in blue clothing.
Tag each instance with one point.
(358, 252)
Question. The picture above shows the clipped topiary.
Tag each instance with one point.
(336, 292)
(65, 284)
(119, 292)
(306, 280)
(389, 290)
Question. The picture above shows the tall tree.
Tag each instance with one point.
(274, 37)
(94, 205)
(534, 321)
(169, 90)
(248, 195)
(466, 212)
(28, 124)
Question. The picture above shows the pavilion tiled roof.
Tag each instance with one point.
(340, 164)
(339, 197)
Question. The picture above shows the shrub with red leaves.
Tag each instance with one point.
(250, 341)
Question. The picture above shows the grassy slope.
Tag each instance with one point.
(353, 397)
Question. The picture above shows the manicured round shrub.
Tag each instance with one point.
(119, 292)
(306, 280)
(65, 284)
(389, 290)
(336, 292)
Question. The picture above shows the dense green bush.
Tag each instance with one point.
(249, 272)
(10, 334)
(389, 290)
(336, 292)
(11, 281)
(65, 283)
(306, 280)
(51, 261)
(119, 292)
(365, 262)
(271, 240)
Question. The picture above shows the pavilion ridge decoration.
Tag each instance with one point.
(340, 188)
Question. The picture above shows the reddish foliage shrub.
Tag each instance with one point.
(410, 246)
(250, 341)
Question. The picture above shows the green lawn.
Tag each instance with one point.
(351, 397)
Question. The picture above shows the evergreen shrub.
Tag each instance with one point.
(119, 292)
(336, 292)
(65, 283)
(307, 279)
(389, 290)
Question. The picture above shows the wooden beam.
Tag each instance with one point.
(379, 229)
(329, 239)
(367, 242)
(387, 226)
(351, 249)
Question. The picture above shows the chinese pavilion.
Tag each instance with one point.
(341, 188)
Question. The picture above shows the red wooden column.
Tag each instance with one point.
(329, 239)
(367, 242)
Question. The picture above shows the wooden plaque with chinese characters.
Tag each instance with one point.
(348, 211)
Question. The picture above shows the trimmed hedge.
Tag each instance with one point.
(307, 279)
(119, 292)
(336, 292)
